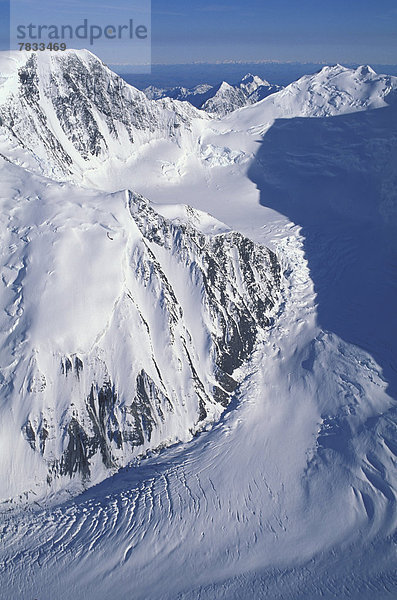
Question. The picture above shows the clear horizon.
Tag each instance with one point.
(252, 62)
(186, 32)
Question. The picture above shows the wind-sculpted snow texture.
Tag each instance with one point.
(234, 405)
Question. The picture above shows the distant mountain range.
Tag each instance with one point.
(221, 99)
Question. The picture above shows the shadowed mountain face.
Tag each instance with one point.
(337, 179)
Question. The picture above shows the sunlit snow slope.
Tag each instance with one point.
(291, 494)
(121, 329)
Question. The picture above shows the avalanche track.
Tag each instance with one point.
(249, 508)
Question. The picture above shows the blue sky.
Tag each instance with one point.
(184, 31)
(304, 30)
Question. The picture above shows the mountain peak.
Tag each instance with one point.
(251, 82)
(224, 86)
(362, 70)
(80, 113)
(331, 70)
(249, 78)
(365, 70)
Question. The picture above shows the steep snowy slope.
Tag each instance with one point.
(65, 113)
(290, 496)
(121, 329)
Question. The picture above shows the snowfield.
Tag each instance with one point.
(198, 390)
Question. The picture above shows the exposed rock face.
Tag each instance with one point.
(188, 308)
(221, 99)
(237, 279)
(123, 327)
(69, 112)
(229, 98)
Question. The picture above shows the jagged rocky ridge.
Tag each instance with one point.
(69, 113)
(222, 99)
(159, 364)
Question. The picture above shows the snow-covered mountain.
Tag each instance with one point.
(61, 115)
(130, 324)
(332, 91)
(196, 95)
(70, 118)
(123, 328)
(221, 99)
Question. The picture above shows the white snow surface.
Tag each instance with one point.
(88, 302)
(291, 493)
